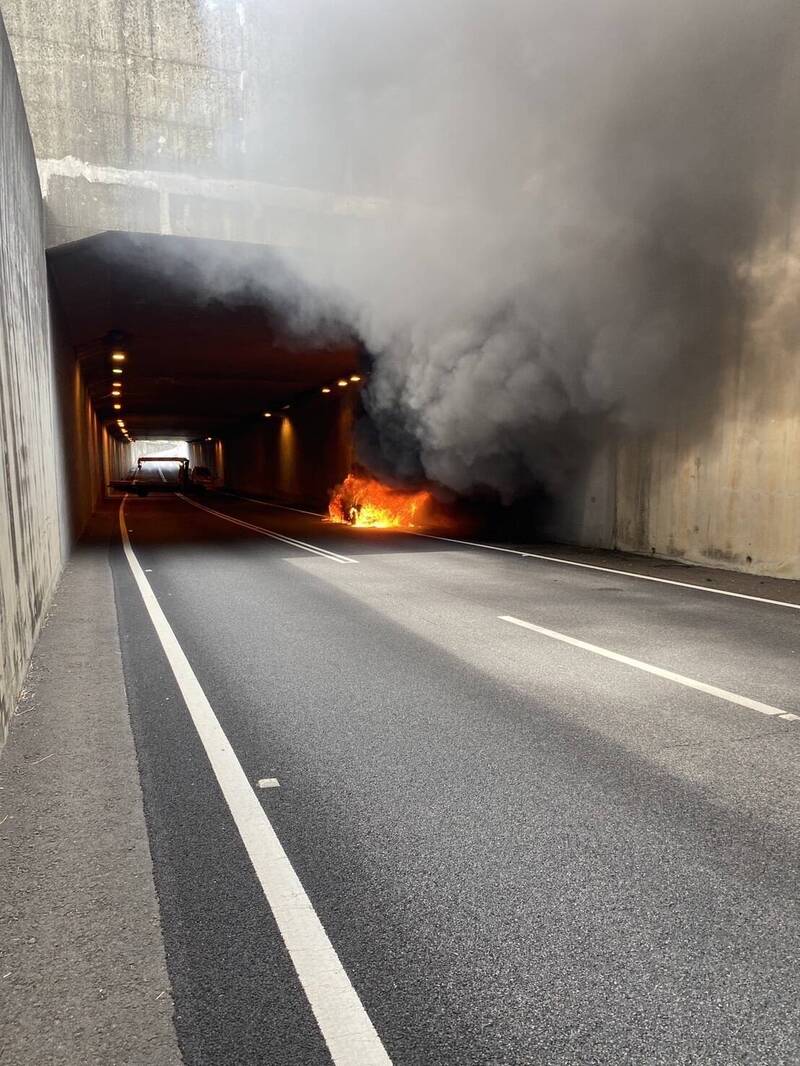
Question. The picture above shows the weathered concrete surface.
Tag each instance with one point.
(30, 543)
(730, 495)
(82, 972)
(138, 113)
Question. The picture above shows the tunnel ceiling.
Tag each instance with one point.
(211, 331)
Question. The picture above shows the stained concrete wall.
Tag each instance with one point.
(51, 444)
(729, 495)
(30, 537)
(721, 488)
(139, 113)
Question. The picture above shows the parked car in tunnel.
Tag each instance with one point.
(202, 478)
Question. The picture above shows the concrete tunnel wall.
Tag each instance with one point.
(296, 456)
(51, 444)
(140, 113)
(722, 490)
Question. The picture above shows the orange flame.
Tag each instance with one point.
(363, 501)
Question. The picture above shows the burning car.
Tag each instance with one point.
(365, 502)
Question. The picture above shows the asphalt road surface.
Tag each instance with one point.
(509, 845)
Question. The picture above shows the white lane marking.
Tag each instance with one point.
(551, 559)
(268, 782)
(606, 570)
(669, 675)
(345, 1025)
(279, 506)
(269, 533)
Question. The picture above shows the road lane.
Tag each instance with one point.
(347, 1031)
(744, 644)
(518, 858)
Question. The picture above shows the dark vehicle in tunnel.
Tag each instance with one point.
(202, 479)
(142, 488)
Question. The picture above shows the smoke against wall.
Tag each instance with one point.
(572, 192)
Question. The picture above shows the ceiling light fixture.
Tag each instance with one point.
(268, 414)
(326, 389)
(118, 357)
(355, 377)
(341, 383)
(116, 370)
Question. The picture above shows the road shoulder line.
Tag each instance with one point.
(606, 570)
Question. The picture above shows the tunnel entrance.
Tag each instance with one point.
(215, 344)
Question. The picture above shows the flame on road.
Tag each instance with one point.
(365, 502)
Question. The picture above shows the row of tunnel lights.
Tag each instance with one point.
(116, 390)
(342, 383)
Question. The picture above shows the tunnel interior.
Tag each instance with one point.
(213, 343)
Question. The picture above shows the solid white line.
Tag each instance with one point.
(279, 506)
(607, 570)
(343, 1022)
(669, 675)
(270, 533)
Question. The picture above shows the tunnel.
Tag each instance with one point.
(403, 670)
(215, 344)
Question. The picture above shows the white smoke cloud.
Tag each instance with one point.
(574, 188)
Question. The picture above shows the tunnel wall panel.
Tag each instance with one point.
(722, 487)
(729, 495)
(140, 113)
(51, 443)
(79, 437)
(30, 530)
(296, 457)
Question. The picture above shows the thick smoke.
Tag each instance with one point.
(572, 192)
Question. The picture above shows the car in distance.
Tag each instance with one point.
(203, 480)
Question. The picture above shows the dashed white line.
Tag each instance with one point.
(268, 782)
(270, 533)
(669, 675)
(604, 569)
(345, 1026)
